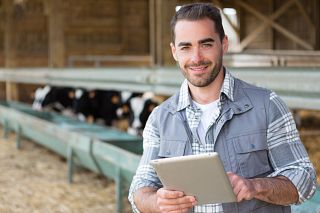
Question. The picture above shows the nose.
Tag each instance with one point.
(196, 55)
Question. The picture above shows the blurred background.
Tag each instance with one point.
(79, 78)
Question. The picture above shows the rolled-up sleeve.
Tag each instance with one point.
(286, 151)
(145, 175)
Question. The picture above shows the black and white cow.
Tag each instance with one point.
(137, 109)
(84, 104)
(53, 98)
(108, 103)
(97, 105)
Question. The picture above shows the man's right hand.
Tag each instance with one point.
(174, 201)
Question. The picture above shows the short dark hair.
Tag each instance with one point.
(198, 11)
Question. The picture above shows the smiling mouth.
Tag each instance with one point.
(198, 69)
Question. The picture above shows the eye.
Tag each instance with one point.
(184, 48)
(207, 45)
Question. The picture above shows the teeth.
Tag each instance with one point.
(197, 68)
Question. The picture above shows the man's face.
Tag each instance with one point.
(199, 51)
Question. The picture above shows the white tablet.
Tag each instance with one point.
(202, 176)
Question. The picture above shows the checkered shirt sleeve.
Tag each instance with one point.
(145, 175)
(287, 154)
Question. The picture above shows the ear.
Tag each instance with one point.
(225, 44)
(173, 51)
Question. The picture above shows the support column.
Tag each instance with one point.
(10, 48)
(317, 18)
(159, 38)
(124, 27)
(56, 33)
(166, 9)
(152, 32)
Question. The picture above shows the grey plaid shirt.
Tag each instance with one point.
(301, 176)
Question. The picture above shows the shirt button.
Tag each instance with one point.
(246, 105)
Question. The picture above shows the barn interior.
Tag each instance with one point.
(123, 45)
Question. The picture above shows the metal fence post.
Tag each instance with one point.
(70, 162)
(18, 137)
(5, 128)
(119, 190)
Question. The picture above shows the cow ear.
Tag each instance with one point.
(115, 99)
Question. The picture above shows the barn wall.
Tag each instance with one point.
(30, 37)
(249, 23)
(114, 27)
(122, 27)
(294, 21)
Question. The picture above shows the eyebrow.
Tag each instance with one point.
(183, 44)
(206, 40)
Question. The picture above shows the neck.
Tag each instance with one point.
(210, 93)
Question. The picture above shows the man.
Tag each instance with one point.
(250, 128)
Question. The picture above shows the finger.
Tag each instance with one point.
(234, 181)
(178, 208)
(230, 176)
(236, 190)
(176, 201)
(176, 204)
(246, 191)
(239, 185)
(244, 194)
(230, 173)
(233, 178)
(240, 196)
(169, 194)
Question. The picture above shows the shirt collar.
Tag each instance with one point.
(226, 90)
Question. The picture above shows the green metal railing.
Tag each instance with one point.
(109, 152)
(298, 87)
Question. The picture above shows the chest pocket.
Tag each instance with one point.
(252, 154)
(172, 148)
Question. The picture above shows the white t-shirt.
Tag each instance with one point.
(210, 113)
